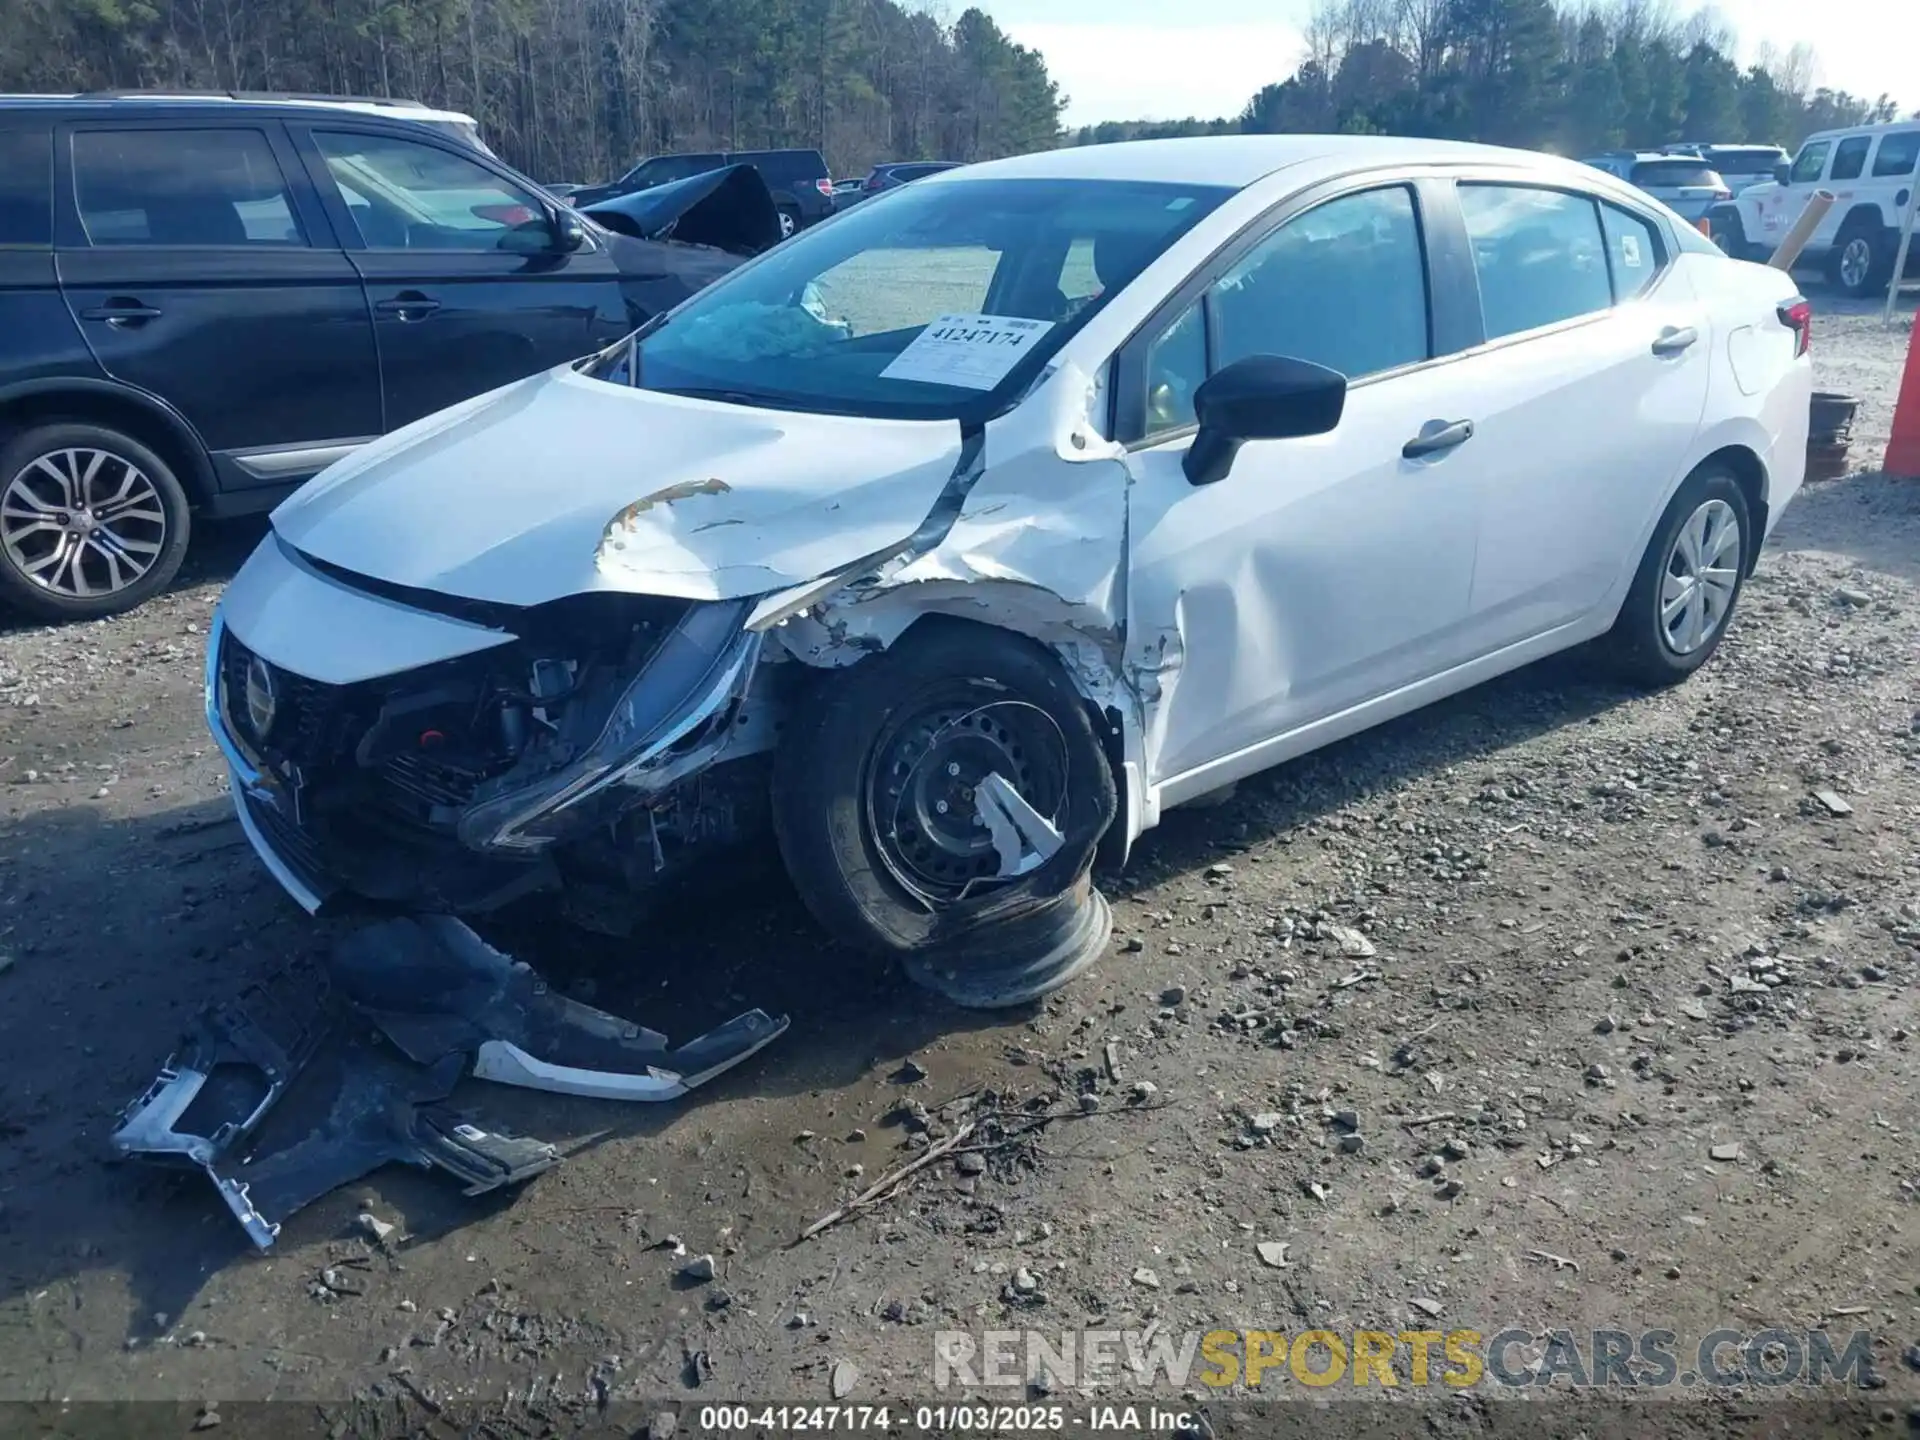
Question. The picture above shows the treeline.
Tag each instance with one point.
(578, 89)
(1528, 73)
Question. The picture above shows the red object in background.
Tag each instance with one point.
(1903, 450)
(507, 214)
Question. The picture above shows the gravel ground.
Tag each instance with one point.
(1620, 1014)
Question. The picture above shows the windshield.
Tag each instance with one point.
(1675, 175)
(935, 301)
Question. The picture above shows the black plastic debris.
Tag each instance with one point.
(280, 1095)
(380, 1110)
(436, 989)
(233, 1065)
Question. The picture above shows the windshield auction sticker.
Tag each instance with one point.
(974, 351)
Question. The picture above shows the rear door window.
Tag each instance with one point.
(1810, 163)
(1851, 158)
(1539, 254)
(26, 187)
(1898, 154)
(182, 187)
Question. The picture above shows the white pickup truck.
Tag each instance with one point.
(1871, 171)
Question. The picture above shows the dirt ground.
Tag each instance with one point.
(1599, 936)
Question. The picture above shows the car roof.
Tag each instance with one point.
(1239, 160)
(107, 101)
(1849, 131)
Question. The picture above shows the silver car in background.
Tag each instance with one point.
(1685, 184)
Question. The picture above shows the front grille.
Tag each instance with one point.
(295, 848)
(309, 717)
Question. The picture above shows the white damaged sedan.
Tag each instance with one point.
(960, 537)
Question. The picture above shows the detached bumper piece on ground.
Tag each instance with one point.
(279, 1096)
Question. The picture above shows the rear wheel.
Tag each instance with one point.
(1681, 601)
(1861, 263)
(92, 522)
(789, 221)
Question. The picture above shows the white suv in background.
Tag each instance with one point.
(1871, 171)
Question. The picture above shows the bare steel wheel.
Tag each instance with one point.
(941, 802)
(91, 521)
(1701, 575)
(937, 830)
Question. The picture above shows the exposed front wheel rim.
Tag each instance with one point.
(921, 803)
(82, 523)
(1856, 260)
(1699, 578)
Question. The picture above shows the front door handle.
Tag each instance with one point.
(1675, 339)
(1436, 436)
(409, 305)
(122, 314)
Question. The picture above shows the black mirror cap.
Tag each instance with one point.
(568, 233)
(1782, 173)
(1263, 397)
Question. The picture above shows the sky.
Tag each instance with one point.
(1165, 59)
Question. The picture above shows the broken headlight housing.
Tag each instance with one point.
(666, 721)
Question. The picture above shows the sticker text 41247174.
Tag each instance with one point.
(974, 351)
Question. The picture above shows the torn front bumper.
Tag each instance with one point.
(345, 1101)
(475, 847)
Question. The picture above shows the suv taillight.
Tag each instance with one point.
(825, 187)
(1797, 316)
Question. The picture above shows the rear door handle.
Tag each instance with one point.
(1436, 436)
(409, 305)
(121, 314)
(1675, 339)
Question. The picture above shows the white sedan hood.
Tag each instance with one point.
(560, 484)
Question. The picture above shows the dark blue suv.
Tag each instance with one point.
(206, 300)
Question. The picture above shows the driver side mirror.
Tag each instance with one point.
(1782, 172)
(1263, 397)
(552, 233)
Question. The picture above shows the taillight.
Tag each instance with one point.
(825, 187)
(1723, 193)
(1797, 316)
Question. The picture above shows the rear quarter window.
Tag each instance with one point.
(26, 187)
(1898, 153)
(1635, 251)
